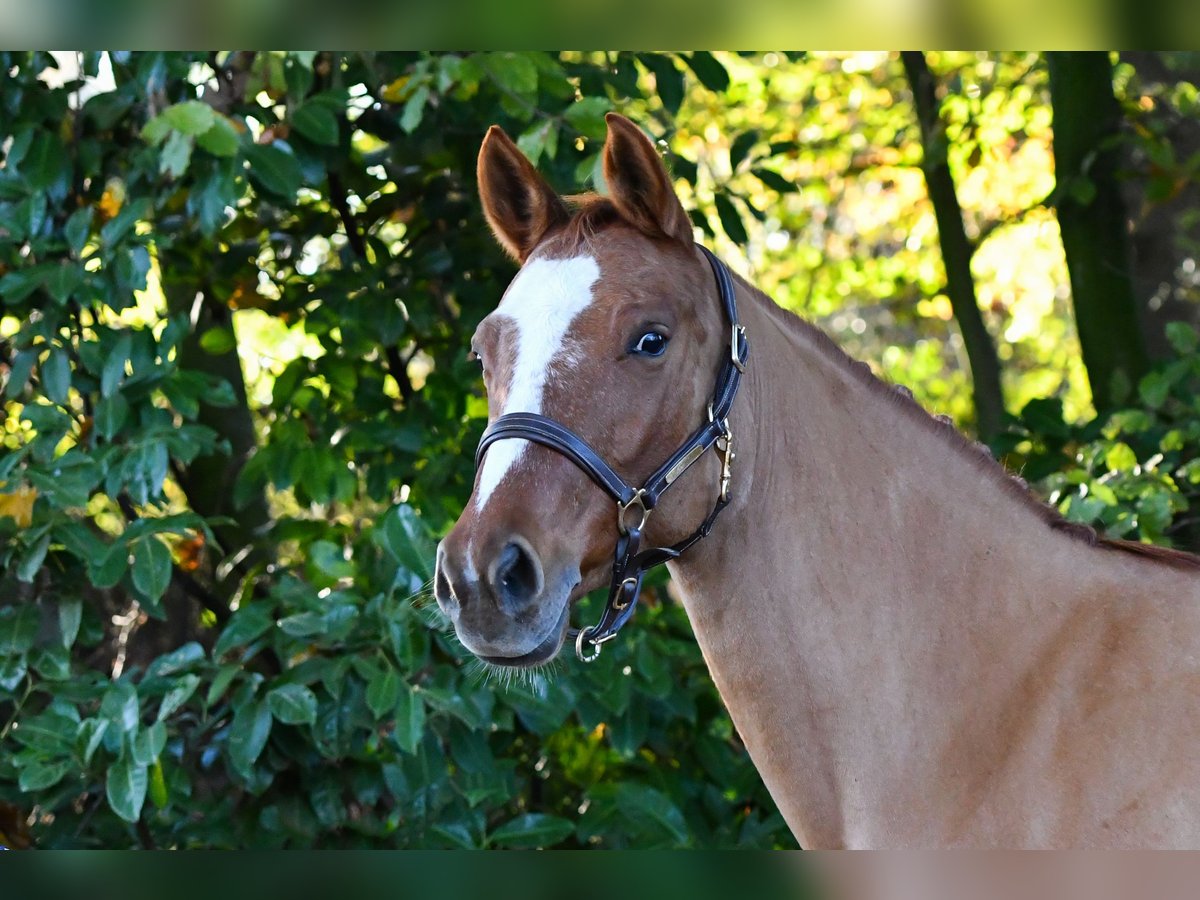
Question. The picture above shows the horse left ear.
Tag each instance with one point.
(639, 185)
(517, 202)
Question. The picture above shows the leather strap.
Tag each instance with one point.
(630, 562)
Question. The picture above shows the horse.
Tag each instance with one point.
(915, 651)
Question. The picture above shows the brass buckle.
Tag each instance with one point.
(739, 331)
(623, 509)
(617, 604)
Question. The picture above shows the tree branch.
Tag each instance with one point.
(956, 249)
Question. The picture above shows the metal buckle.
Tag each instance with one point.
(623, 508)
(727, 457)
(597, 645)
(617, 604)
(739, 331)
(579, 651)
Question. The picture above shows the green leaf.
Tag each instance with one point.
(62, 280)
(190, 117)
(18, 628)
(773, 180)
(317, 122)
(40, 774)
(177, 696)
(275, 170)
(70, 614)
(56, 375)
(148, 744)
(533, 830)
(77, 229)
(293, 704)
(1183, 337)
(111, 414)
(158, 785)
(1154, 389)
(176, 154)
(410, 719)
(1120, 458)
(32, 561)
(113, 371)
(587, 116)
(538, 139)
(731, 221)
(220, 683)
(514, 71)
(217, 341)
(741, 147)
(1044, 416)
(156, 130)
(88, 737)
(18, 376)
(710, 72)
(178, 660)
(407, 539)
(414, 109)
(246, 624)
(221, 139)
(125, 786)
(151, 567)
(645, 804)
(383, 691)
(110, 569)
(668, 79)
(248, 734)
(44, 163)
(120, 706)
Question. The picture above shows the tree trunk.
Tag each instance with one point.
(1092, 219)
(956, 249)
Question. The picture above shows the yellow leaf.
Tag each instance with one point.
(111, 200)
(18, 505)
(396, 91)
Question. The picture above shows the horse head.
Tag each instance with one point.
(610, 330)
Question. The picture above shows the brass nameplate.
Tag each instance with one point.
(680, 467)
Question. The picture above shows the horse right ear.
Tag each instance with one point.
(518, 203)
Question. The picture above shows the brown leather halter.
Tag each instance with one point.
(634, 505)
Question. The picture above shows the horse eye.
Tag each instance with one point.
(650, 344)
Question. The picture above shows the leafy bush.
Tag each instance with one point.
(1133, 473)
(215, 627)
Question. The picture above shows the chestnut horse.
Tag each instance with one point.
(916, 652)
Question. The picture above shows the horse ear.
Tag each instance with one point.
(518, 203)
(639, 185)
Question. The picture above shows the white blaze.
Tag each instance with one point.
(542, 302)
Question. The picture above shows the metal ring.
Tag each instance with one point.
(579, 652)
(623, 508)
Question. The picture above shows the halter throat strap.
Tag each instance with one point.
(634, 505)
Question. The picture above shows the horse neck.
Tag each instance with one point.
(869, 574)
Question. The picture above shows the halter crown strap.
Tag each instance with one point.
(630, 561)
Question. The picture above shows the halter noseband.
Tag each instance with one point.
(634, 505)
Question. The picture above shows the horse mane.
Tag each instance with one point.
(592, 212)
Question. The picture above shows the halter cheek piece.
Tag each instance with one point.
(634, 505)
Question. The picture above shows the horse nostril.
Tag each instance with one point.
(517, 577)
(443, 592)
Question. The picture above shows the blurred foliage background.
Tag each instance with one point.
(236, 291)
